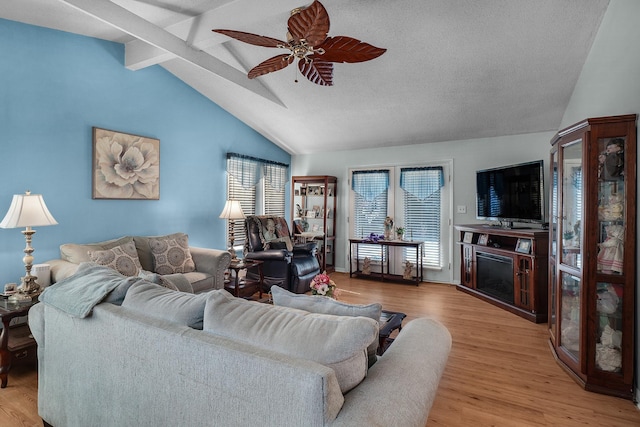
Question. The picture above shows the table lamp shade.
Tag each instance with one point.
(232, 210)
(27, 210)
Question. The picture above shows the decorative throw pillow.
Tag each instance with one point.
(123, 259)
(171, 255)
(338, 342)
(157, 301)
(327, 305)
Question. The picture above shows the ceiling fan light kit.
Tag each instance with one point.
(308, 41)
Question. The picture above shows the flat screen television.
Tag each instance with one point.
(511, 194)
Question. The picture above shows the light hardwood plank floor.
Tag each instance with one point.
(500, 371)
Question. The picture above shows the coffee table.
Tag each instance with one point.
(389, 322)
(15, 340)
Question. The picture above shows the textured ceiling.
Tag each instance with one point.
(453, 69)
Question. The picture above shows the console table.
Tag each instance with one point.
(384, 246)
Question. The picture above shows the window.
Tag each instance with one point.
(371, 195)
(244, 173)
(417, 198)
(275, 177)
(422, 206)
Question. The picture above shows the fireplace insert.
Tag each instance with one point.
(494, 276)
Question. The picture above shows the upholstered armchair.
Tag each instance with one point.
(289, 266)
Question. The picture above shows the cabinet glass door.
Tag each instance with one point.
(553, 243)
(611, 203)
(570, 312)
(572, 192)
(610, 258)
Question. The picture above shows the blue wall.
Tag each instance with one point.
(54, 87)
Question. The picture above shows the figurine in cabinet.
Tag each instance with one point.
(611, 254)
(614, 162)
(612, 210)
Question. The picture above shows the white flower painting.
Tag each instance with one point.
(125, 166)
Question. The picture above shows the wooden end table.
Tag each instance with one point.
(244, 288)
(15, 341)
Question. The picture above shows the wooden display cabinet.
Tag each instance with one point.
(506, 267)
(592, 253)
(313, 213)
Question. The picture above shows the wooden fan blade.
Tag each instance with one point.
(253, 39)
(311, 24)
(270, 65)
(347, 49)
(317, 71)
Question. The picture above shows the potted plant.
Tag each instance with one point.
(400, 233)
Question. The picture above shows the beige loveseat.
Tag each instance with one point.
(204, 272)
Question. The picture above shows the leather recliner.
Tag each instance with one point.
(289, 266)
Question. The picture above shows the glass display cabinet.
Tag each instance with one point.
(313, 213)
(592, 252)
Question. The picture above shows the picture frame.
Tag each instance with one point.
(468, 237)
(138, 156)
(483, 239)
(523, 246)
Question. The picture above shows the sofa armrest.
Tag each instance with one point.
(309, 248)
(211, 261)
(406, 376)
(270, 255)
(61, 269)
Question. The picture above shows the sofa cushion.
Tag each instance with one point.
(76, 253)
(326, 305)
(171, 254)
(157, 301)
(123, 259)
(338, 342)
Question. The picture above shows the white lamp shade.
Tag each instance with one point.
(27, 210)
(232, 210)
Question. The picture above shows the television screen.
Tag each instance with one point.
(511, 193)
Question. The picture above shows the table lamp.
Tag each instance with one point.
(27, 210)
(232, 211)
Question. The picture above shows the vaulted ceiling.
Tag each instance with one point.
(453, 69)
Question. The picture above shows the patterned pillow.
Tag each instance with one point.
(171, 255)
(123, 259)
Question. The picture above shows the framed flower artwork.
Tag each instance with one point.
(125, 166)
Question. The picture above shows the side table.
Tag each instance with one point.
(244, 288)
(389, 322)
(15, 341)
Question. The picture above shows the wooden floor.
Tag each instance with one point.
(500, 371)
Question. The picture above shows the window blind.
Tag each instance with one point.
(371, 195)
(422, 207)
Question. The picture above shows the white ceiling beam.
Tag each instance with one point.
(197, 30)
(157, 37)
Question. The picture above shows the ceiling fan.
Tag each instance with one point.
(308, 41)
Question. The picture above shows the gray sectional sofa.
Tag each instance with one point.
(129, 358)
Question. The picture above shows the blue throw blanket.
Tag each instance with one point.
(87, 287)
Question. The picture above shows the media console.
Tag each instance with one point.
(506, 267)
